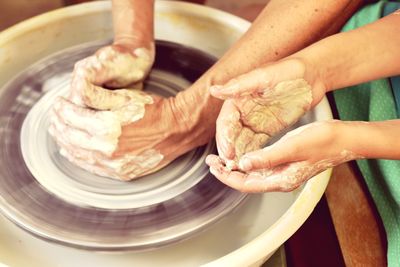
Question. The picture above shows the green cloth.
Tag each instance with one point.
(375, 101)
(395, 81)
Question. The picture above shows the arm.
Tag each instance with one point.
(385, 136)
(370, 52)
(358, 56)
(174, 126)
(337, 61)
(133, 22)
(307, 151)
(282, 28)
(127, 61)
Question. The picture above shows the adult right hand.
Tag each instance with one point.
(114, 66)
(260, 104)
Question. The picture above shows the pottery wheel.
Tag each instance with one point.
(43, 193)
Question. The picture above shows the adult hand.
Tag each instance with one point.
(87, 124)
(126, 142)
(114, 66)
(295, 158)
(260, 104)
(123, 133)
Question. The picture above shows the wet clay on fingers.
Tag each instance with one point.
(262, 115)
(88, 124)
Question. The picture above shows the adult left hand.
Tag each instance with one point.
(114, 66)
(125, 134)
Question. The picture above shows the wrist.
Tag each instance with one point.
(144, 55)
(196, 112)
(374, 139)
(132, 42)
(133, 23)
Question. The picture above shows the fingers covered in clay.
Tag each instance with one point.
(228, 129)
(106, 98)
(253, 82)
(259, 105)
(252, 182)
(260, 80)
(75, 137)
(124, 67)
(89, 138)
(103, 123)
(111, 67)
(287, 164)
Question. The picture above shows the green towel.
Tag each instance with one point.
(376, 101)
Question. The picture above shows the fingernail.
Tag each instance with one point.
(213, 171)
(230, 165)
(63, 152)
(245, 164)
(51, 130)
(208, 160)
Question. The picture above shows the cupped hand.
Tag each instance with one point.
(114, 66)
(128, 141)
(291, 161)
(260, 104)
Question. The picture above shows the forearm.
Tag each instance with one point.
(133, 22)
(282, 28)
(358, 56)
(373, 139)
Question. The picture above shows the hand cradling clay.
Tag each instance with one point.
(285, 165)
(112, 69)
(265, 113)
(288, 177)
(88, 124)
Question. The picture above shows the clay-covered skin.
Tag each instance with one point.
(273, 110)
(177, 125)
(311, 149)
(286, 165)
(88, 124)
(112, 67)
(258, 106)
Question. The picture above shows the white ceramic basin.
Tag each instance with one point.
(246, 237)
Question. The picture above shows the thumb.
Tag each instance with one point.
(252, 82)
(100, 98)
(84, 87)
(284, 151)
(303, 143)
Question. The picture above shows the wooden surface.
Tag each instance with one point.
(315, 243)
(343, 230)
(358, 227)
